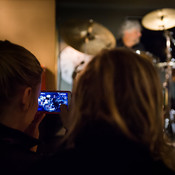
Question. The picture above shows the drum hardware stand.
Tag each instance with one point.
(162, 20)
(169, 113)
(86, 41)
(76, 69)
(166, 83)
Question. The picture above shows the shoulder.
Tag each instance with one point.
(101, 148)
(119, 42)
(159, 167)
(139, 46)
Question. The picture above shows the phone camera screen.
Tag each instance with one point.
(51, 101)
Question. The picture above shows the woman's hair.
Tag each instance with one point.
(18, 68)
(122, 88)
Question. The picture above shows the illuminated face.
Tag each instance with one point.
(133, 35)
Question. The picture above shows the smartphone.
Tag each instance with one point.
(50, 101)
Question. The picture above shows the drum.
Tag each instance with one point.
(166, 71)
(72, 60)
(154, 59)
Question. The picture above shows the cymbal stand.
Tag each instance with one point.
(172, 39)
(86, 40)
(167, 85)
(168, 73)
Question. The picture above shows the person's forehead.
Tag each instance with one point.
(134, 29)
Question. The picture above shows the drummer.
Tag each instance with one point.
(130, 35)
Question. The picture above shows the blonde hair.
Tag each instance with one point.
(124, 89)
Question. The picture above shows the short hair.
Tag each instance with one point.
(18, 68)
(128, 25)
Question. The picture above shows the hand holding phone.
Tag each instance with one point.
(50, 101)
(64, 115)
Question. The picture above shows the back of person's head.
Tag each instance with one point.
(122, 88)
(128, 25)
(19, 68)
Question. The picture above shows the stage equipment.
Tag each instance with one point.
(72, 61)
(161, 19)
(87, 36)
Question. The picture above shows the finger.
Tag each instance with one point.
(63, 107)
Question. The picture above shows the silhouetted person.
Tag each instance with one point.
(20, 82)
(115, 124)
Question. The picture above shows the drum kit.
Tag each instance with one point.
(163, 20)
(84, 38)
(89, 37)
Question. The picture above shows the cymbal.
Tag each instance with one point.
(87, 36)
(161, 19)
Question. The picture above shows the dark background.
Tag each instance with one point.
(111, 13)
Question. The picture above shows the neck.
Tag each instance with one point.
(13, 119)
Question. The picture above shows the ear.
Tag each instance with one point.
(26, 98)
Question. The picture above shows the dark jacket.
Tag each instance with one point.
(15, 154)
(138, 46)
(101, 148)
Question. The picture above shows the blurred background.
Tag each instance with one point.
(37, 24)
(110, 14)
